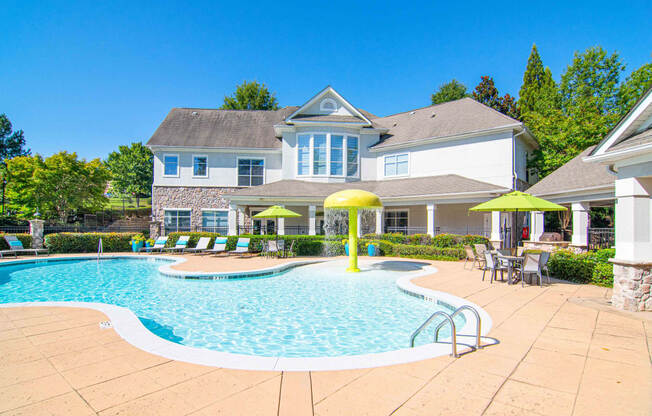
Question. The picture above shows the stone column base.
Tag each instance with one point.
(632, 283)
(154, 229)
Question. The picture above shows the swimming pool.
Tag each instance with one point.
(310, 311)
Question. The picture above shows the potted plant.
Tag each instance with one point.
(371, 249)
(149, 243)
(346, 246)
(137, 242)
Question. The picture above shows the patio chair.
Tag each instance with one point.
(530, 267)
(241, 247)
(272, 248)
(16, 246)
(180, 245)
(290, 251)
(519, 251)
(202, 245)
(159, 244)
(493, 266)
(281, 248)
(470, 255)
(543, 264)
(480, 249)
(218, 247)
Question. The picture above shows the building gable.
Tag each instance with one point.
(330, 107)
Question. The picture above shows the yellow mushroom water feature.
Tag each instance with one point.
(353, 200)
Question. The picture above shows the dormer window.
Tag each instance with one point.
(328, 105)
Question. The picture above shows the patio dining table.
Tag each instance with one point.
(512, 263)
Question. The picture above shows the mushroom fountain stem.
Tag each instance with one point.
(353, 240)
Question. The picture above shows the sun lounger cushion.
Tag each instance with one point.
(220, 241)
(161, 241)
(16, 244)
(182, 243)
(243, 244)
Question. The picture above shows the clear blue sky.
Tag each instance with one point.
(89, 76)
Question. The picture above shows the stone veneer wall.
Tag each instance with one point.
(632, 286)
(194, 198)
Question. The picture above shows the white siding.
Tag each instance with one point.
(485, 158)
(222, 168)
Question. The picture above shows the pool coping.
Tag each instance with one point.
(131, 329)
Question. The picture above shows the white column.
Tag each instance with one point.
(495, 226)
(379, 221)
(580, 224)
(280, 227)
(431, 211)
(634, 219)
(537, 227)
(233, 219)
(312, 220)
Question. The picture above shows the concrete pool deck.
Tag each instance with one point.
(561, 352)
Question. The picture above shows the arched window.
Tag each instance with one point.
(328, 104)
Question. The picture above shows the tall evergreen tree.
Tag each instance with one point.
(537, 85)
(487, 93)
(450, 91)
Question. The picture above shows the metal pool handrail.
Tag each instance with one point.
(427, 322)
(478, 326)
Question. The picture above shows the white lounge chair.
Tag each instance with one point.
(16, 246)
(180, 245)
(218, 247)
(202, 245)
(241, 247)
(159, 244)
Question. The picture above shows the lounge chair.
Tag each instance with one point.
(218, 247)
(272, 249)
(180, 245)
(16, 246)
(159, 244)
(241, 247)
(490, 264)
(202, 245)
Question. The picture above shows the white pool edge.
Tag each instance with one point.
(131, 329)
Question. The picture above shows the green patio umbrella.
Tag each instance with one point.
(277, 211)
(517, 202)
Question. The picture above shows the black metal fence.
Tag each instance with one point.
(51, 229)
(601, 238)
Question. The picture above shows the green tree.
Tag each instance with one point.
(539, 91)
(450, 91)
(12, 143)
(56, 186)
(131, 168)
(487, 93)
(250, 96)
(594, 77)
(634, 86)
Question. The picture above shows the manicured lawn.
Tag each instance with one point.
(116, 203)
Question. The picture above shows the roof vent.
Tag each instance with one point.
(411, 112)
(432, 115)
(194, 113)
(395, 124)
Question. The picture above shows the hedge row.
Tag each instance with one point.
(88, 242)
(592, 267)
(26, 239)
(440, 240)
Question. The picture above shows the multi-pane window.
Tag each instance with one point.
(251, 172)
(396, 221)
(303, 156)
(319, 154)
(327, 154)
(337, 155)
(171, 165)
(215, 221)
(200, 166)
(351, 156)
(176, 220)
(396, 165)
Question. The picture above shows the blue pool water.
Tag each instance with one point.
(311, 311)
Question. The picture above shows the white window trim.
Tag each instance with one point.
(407, 210)
(311, 155)
(193, 167)
(237, 164)
(322, 105)
(177, 209)
(394, 155)
(178, 165)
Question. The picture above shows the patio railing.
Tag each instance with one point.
(601, 238)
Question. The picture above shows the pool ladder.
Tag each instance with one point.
(448, 319)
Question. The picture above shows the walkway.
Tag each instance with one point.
(555, 357)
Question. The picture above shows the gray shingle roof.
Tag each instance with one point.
(643, 137)
(410, 187)
(572, 176)
(194, 127)
(447, 119)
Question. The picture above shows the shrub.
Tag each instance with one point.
(447, 240)
(428, 252)
(475, 239)
(88, 242)
(603, 274)
(396, 238)
(419, 239)
(26, 239)
(591, 267)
